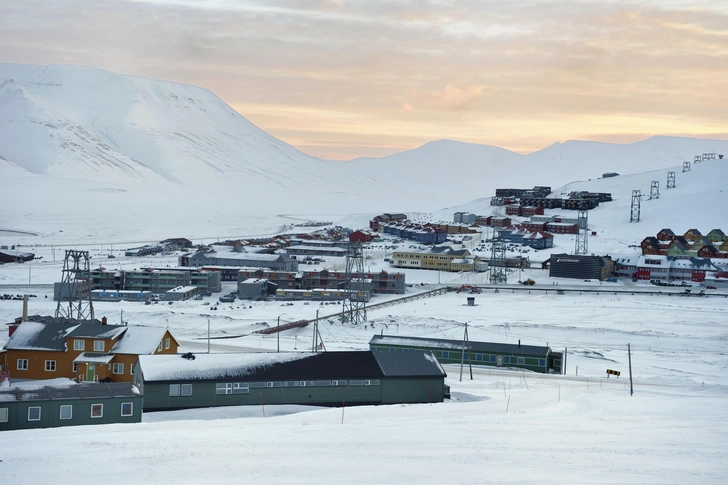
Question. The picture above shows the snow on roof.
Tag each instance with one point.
(139, 340)
(182, 289)
(210, 366)
(92, 330)
(40, 336)
(94, 358)
(317, 248)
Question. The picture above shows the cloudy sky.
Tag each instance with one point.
(339, 79)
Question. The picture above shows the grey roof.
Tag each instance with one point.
(89, 330)
(40, 336)
(409, 364)
(96, 390)
(139, 340)
(486, 347)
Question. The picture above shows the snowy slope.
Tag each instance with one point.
(81, 122)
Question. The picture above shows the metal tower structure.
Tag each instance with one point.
(353, 308)
(634, 215)
(655, 190)
(670, 180)
(697, 159)
(686, 167)
(498, 274)
(75, 283)
(582, 237)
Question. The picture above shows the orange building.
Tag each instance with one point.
(85, 352)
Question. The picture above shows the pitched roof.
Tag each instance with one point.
(285, 366)
(139, 340)
(90, 330)
(40, 336)
(409, 364)
(88, 390)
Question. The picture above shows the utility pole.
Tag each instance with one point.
(208, 335)
(629, 354)
(278, 333)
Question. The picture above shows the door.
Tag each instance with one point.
(90, 372)
(499, 361)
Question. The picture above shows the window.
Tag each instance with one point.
(338, 383)
(257, 385)
(79, 345)
(445, 354)
(186, 390)
(466, 356)
(507, 359)
(66, 411)
(174, 389)
(50, 365)
(373, 382)
(520, 360)
(127, 409)
(131, 368)
(224, 388)
(290, 384)
(356, 382)
(97, 410)
(159, 347)
(323, 383)
(493, 358)
(118, 368)
(166, 343)
(98, 345)
(75, 367)
(542, 362)
(34, 413)
(22, 364)
(3, 415)
(240, 388)
(479, 357)
(307, 383)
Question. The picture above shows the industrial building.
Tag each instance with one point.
(580, 267)
(237, 256)
(383, 282)
(441, 258)
(70, 405)
(322, 379)
(530, 357)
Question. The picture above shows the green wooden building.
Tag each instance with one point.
(70, 405)
(322, 379)
(529, 357)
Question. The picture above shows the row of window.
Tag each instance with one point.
(167, 344)
(244, 387)
(66, 411)
(50, 366)
(99, 345)
(507, 359)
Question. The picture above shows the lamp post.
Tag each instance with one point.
(278, 333)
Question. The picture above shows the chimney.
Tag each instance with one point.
(25, 308)
(519, 343)
(103, 321)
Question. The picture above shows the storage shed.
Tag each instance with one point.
(322, 379)
(530, 357)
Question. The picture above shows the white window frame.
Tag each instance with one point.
(159, 347)
(39, 413)
(93, 406)
(79, 344)
(185, 390)
(131, 409)
(174, 390)
(70, 414)
(116, 366)
(222, 388)
(167, 343)
(19, 365)
(4, 415)
(51, 364)
(131, 369)
(96, 345)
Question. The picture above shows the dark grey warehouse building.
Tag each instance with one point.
(580, 267)
(322, 379)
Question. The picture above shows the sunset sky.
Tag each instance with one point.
(341, 79)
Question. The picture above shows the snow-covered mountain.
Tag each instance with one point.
(81, 122)
(97, 152)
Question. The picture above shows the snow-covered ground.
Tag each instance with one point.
(502, 426)
(581, 428)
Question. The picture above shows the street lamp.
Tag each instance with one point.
(278, 333)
